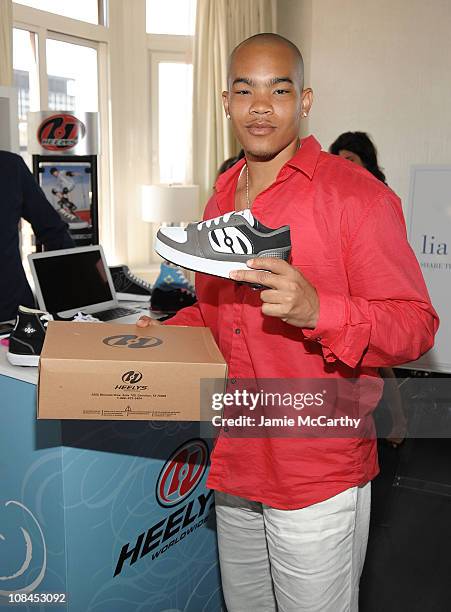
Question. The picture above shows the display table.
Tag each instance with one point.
(115, 515)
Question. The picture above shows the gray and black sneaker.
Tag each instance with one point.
(128, 286)
(225, 243)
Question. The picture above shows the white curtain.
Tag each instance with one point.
(6, 43)
(220, 26)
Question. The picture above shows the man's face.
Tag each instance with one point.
(265, 100)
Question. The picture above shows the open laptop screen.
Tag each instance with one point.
(72, 280)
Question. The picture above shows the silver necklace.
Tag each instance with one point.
(248, 204)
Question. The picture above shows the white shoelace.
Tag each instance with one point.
(45, 318)
(139, 281)
(225, 218)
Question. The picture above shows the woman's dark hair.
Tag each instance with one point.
(360, 144)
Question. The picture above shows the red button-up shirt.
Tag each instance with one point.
(349, 240)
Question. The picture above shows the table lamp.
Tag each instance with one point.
(170, 204)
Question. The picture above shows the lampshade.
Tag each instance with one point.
(170, 203)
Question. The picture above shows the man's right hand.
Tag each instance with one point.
(146, 321)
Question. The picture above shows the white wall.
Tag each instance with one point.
(129, 105)
(383, 67)
(294, 21)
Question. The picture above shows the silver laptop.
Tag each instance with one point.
(72, 280)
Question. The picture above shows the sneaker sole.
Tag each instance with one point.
(198, 264)
(22, 360)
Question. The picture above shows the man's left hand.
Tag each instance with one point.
(289, 296)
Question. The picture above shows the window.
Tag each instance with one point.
(175, 85)
(84, 10)
(171, 17)
(72, 77)
(170, 26)
(26, 79)
(51, 74)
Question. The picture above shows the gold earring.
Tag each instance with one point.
(304, 114)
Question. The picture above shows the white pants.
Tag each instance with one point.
(307, 560)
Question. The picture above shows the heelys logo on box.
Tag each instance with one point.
(130, 379)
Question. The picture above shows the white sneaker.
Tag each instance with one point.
(72, 220)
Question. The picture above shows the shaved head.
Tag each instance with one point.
(266, 99)
(268, 39)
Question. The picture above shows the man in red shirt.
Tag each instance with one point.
(292, 513)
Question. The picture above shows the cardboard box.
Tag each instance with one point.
(121, 372)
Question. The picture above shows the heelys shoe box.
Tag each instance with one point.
(122, 372)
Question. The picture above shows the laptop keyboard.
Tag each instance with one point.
(114, 313)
